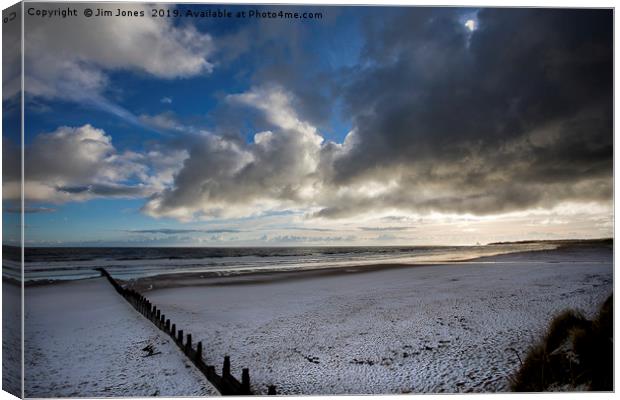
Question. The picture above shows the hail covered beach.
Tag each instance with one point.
(395, 326)
(299, 188)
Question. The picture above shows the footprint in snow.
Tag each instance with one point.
(314, 360)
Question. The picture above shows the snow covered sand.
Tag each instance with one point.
(11, 337)
(83, 339)
(432, 328)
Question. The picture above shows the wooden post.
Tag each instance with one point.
(173, 332)
(199, 351)
(188, 345)
(167, 325)
(271, 391)
(158, 315)
(245, 380)
(226, 367)
(180, 337)
(162, 321)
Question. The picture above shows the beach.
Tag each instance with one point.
(439, 328)
(11, 337)
(307, 199)
(385, 328)
(84, 340)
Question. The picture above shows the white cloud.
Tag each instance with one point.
(80, 163)
(164, 122)
(282, 239)
(289, 167)
(228, 177)
(74, 154)
(286, 167)
(164, 165)
(68, 58)
(277, 105)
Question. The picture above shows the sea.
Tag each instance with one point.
(126, 263)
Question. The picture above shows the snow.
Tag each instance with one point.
(83, 339)
(11, 337)
(440, 328)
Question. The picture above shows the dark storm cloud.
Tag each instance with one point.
(517, 113)
(277, 52)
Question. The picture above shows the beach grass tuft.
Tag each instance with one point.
(575, 354)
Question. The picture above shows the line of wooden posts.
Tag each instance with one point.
(226, 383)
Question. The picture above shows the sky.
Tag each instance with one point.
(359, 126)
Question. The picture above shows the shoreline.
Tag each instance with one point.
(246, 277)
(167, 281)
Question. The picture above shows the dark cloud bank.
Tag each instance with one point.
(518, 114)
(515, 114)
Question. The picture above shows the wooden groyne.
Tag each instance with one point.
(225, 383)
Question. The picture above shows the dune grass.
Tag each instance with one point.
(575, 354)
